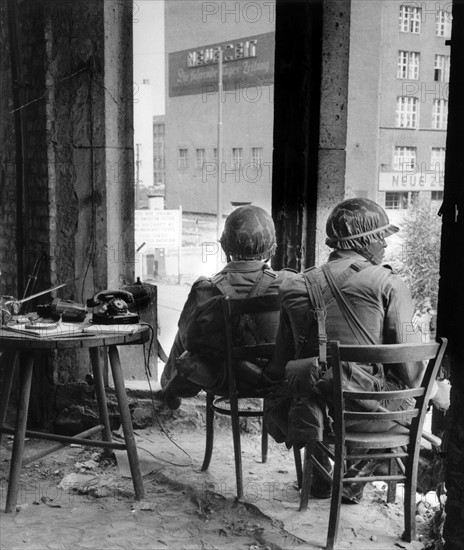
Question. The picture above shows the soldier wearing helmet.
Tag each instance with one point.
(356, 231)
(195, 361)
(362, 225)
(249, 234)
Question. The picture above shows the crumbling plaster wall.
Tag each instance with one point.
(75, 87)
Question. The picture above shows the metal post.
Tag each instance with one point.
(179, 249)
(137, 176)
(219, 145)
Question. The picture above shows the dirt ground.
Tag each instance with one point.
(76, 498)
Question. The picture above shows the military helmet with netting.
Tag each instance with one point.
(357, 223)
(249, 234)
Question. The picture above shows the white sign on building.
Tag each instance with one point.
(158, 229)
(420, 181)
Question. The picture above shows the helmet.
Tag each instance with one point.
(249, 234)
(357, 223)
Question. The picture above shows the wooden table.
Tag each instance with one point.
(27, 346)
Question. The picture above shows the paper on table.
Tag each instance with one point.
(112, 329)
(60, 331)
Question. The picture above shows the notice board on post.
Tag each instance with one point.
(158, 229)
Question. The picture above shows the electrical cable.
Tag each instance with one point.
(92, 250)
(147, 371)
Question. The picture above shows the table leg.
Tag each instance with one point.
(9, 361)
(126, 421)
(18, 445)
(100, 393)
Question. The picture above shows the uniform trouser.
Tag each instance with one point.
(195, 375)
(170, 370)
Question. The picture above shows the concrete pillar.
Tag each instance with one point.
(310, 125)
(296, 130)
(119, 139)
(333, 115)
(75, 93)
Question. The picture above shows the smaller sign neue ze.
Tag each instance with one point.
(420, 181)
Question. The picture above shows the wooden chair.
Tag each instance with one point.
(228, 403)
(400, 445)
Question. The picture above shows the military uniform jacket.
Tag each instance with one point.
(380, 298)
(241, 276)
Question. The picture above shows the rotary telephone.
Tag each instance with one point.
(114, 308)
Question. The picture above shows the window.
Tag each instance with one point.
(442, 67)
(199, 158)
(443, 23)
(407, 112)
(410, 19)
(408, 65)
(396, 201)
(158, 156)
(437, 160)
(158, 129)
(257, 157)
(237, 153)
(437, 195)
(215, 155)
(183, 159)
(439, 114)
(404, 158)
(159, 178)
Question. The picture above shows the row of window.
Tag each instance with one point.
(256, 158)
(405, 158)
(411, 17)
(399, 200)
(407, 113)
(408, 66)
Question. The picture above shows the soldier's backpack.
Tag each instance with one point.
(205, 332)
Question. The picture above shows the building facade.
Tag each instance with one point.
(397, 103)
(398, 100)
(195, 34)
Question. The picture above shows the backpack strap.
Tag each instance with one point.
(362, 334)
(317, 301)
(223, 285)
(260, 287)
(262, 283)
(355, 267)
(317, 309)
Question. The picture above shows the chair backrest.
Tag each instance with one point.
(234, 309)
(385, 354)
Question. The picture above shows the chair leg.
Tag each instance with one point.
(126, 422)
(237, 445)
(209, 431)
(298, 467)
(307, 475)
(20, 432)
(336, 501)
(264, 442)
(392, 470)
(410, 503)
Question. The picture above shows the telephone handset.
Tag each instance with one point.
(114, 309)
